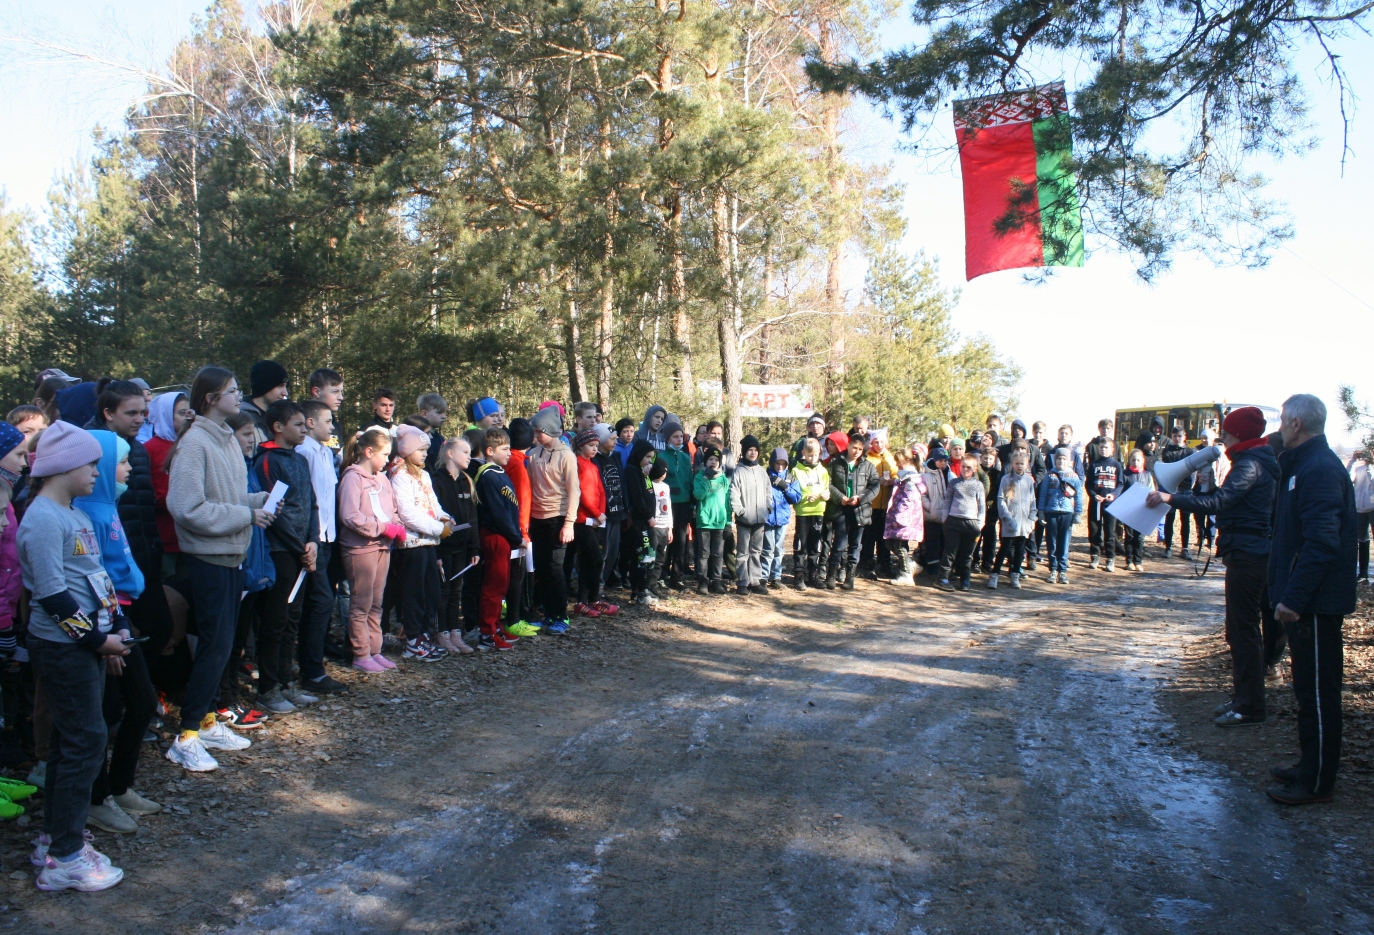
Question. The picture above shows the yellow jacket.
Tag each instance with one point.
(886, 466)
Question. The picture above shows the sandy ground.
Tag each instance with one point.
(888, 760)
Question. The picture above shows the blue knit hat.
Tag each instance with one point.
(10, 438)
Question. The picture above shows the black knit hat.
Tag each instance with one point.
(265, 377)
(750, 441)
(521, 434)
(658, 470)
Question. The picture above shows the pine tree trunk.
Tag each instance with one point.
(727, 327)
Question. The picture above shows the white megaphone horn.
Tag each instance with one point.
(1171, 475)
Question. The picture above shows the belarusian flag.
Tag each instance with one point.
(1020, 200)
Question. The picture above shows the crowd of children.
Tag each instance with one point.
(171, 546)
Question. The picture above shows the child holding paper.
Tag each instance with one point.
(459, 595)
(369, 524)
(292, 540)
(427, 525)
(1137, 472)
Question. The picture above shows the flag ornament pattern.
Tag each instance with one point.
(1020, 198)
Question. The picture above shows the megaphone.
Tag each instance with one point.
(1170, 476)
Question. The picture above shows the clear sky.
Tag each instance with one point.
(1089, 341)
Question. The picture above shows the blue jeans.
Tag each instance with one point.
(774, 546)
(319, 607)
(1058, 530)
(215, 591)
(73, 680)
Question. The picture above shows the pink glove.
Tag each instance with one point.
(395, 531)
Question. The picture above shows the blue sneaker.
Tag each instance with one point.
(556, 627)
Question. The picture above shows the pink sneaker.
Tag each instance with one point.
(368, 664)
(384, 662)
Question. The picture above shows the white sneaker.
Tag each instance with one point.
(1054, 577)
(88, 872)
(992, 581)
(1111, 564)
(191, 754)
(1093, 564)
(135, 804)
(108, 816)
(220, 737)
(1014, 582)
(39, 856)
(1063, 577)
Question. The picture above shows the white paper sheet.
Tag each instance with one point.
(529, 560)
(1130, 509)
(297, 586)
(463, 572)
(461, 526)
(274, 498)
(515, 553)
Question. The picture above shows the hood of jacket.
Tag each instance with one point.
(115, 553)
(160, 413)
(644, 432)
(638, 450)
(76, 404)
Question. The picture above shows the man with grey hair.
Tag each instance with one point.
(1312, 588)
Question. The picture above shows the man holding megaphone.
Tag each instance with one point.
(1243, 505)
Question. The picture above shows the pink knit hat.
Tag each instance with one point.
(62, 447)
(409, 440)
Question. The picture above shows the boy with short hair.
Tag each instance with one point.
(1177, 450)
(584, 417)
(662, 525)
(624, 440)
(751, 500)
(319, 591)
(853, 485)
(498, 519)
(433, 409)
(328, 387)
(1104, 482)
(383, 413)
(293, 540)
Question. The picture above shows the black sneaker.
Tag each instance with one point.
(326, 686)
(1285, 774)
(485, 642)
(715, 587)
(760, 589)
(1234, 718)
(1294, 794)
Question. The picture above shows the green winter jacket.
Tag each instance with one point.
(814, 482)
(679, 476)
(713, 500)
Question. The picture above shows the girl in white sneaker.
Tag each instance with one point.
(74, 625)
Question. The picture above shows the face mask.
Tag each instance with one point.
(8, 476)
(674, 447)
(120, 489)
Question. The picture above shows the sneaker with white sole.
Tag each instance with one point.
(1014, 582)
(1094, 563)
(992, 581)
(88, 872)
(39, 855)
(135, 804)
(421, 650)
(220, 737)
(108, 816)
(191, 754)
(1111, 564)
(1054, 577)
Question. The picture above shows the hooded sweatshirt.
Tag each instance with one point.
(751, 491)
(785, 490)
(160, 412)
(653, 437)
(815, 484)
(101, 507)
(712, 493)
(553, 482)
(679, 477)
(639, 490)
(366, 506)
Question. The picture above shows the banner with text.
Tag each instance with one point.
(782, 401)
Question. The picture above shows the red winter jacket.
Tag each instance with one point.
(592, 501)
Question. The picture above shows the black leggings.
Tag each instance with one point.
(589, 545)
(421, 590)
(129, 702)
(550, 587)
(1013, 549)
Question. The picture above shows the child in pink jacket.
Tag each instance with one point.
(368, 524)
(905, 525)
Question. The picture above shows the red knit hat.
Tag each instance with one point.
(1246, 423)
(840, 440)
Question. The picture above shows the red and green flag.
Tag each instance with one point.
(1020, 198)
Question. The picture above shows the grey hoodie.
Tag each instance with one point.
(751, 493)
(654, 438)
(1016, 504)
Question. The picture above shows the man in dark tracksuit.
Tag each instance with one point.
(1243, 506)
(1312, 587)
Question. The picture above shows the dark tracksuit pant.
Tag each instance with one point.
(550, 553)
(279, 624)
(74, 680)
(130, 701)
(1101, 530)
(1314, 643)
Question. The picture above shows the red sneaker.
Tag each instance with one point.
(586, 610)
(606, 609)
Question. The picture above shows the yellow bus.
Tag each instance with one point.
(1193, 417)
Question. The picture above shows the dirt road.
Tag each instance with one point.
(892, 760)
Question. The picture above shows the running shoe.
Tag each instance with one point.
(520, 628)
(557, 627)
(219, 737)
(421, 650)
(191, 754)
(606, 608)
(242, 717)
(88, 872)
(586, 610)
(39, 856)
(15, 790)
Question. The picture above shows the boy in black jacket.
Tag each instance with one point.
(292, 541)
(1105, 480)
(453, 487)
(1177, 450)
(498, 516)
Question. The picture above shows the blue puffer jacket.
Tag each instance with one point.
(1243, 504)
(787, 493)
(1312, 559)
